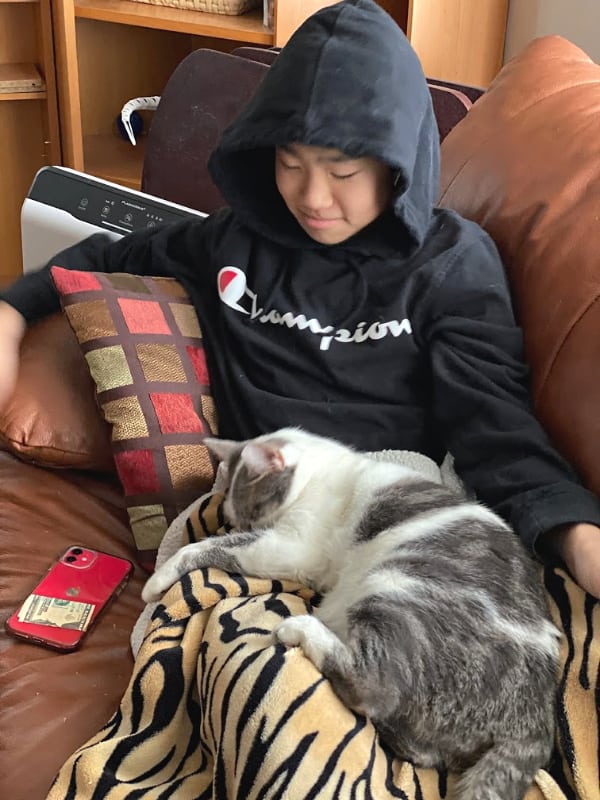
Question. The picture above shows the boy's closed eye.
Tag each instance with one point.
(346, 175)
(285, 163)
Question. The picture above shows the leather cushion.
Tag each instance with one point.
(53, 702)
(52, 419)
(525, 164)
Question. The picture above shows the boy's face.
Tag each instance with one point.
(331, 195)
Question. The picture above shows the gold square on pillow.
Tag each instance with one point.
(126, 417)
(148, 525)
(209, 412)
(185, 462)
(161, 362)
(109, 367)
(128, 283)
(91, 320)
(171, 287)
(186, 319)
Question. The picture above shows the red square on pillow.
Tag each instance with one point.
(70, 281)
(198, 359)
(176, 413)
(143, 316)
(137, 472)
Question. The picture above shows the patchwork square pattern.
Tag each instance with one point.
(143, 345)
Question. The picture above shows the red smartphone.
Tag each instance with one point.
(66, 603)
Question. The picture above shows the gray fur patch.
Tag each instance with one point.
(399, 502)
(256, 500)
(221, 554)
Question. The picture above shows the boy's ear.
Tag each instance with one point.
(223, 449)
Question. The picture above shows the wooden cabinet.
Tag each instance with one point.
(109, 51)
(29, 131)
(456, 40)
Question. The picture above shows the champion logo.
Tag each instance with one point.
(233, 288)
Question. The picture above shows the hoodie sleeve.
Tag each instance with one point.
(483, 407)
(168, 251)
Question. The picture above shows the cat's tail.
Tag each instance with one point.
(505, 771)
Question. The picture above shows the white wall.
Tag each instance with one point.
(577, 20)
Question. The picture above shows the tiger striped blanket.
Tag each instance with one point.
(215, 710)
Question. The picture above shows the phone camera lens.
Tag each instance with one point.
(70, 559)
(77, 551)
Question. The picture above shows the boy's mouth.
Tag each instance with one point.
(319, 223)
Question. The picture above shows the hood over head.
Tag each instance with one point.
(349, 79)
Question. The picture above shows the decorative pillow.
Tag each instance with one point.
(525, 164)
(52, 419)
(143, 346)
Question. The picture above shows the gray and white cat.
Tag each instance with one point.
(433, 621)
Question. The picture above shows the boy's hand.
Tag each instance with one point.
(12, 330)
(579, 546)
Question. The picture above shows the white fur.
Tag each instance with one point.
(309, 633)
(543, 637)
(312, 539)
(308, 540)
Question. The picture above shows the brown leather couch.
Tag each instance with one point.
(525, 162)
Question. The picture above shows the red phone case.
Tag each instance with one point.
(66, 603)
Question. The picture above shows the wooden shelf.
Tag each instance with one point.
(245, 27)
(21, 82)
(22, 95)
(114, 159)
(29, 131)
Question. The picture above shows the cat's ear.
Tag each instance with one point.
(261, 458)
(223, 449)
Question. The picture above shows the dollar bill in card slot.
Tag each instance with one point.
(40, 610)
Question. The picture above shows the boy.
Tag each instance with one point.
(333, 294)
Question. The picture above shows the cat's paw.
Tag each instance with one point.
(292, 631)
(308, 633)
(185, 560)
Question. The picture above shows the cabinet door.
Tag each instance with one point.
(290, 14)
(459, 40)
(28, 117)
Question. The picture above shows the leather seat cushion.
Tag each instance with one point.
(52, 702)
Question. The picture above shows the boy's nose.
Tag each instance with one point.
(316, 193)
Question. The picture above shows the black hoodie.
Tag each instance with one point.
(403, 336)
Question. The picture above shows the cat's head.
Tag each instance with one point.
(262, 475)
